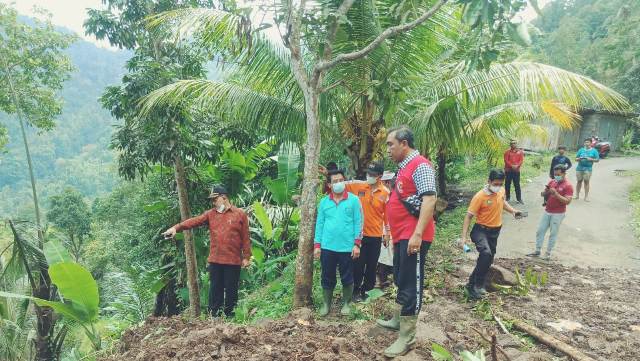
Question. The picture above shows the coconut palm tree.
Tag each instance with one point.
(357, 99)
(444, 102)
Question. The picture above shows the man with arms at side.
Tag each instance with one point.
(230, 249)
(487, 206)
(411, 235)
(585, 157)
(513, 159)
(338, 236)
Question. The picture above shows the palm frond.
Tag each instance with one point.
(218, 29)
(233, 103)
(529, 81)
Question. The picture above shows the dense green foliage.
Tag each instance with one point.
(75, 153)
(106, 208)
(597, 38)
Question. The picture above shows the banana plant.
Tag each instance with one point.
(79, 293)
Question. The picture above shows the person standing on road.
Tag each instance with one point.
(560, 159)
(229, 249)
(338, 235)
(373, 197)
(414, 193)
(558, 193)
(585, 157)
(487, 206)
(513, 159)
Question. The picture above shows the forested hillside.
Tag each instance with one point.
(596, 38)
(76, 152)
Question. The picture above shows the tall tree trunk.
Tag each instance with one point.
(34, 192)
(442, 169)
(47, 346)
(189, 247)
(302, 293)
(44, 341)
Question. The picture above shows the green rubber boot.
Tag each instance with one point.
(327, 297)
(394, 322)
(406, 337)
(347, 294)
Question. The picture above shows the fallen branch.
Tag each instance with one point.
(551, 341)
(502, 326)
(487, 339)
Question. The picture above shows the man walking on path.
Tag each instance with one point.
(230, 249)
(410, 214)
(513, 159)
(487, 206)
(338, 234)
(560, 159)
(558, 193)
(585, 157)
(373, 197)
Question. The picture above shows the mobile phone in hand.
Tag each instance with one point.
(521, 214)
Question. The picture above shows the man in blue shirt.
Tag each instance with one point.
(560, 159)
(337, 240)
(586, 156)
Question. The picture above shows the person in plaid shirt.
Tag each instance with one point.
(411, 235)
(229, 250)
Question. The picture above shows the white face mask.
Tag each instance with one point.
(338, 187)
(495, 189)
(372, 180)
(220, 208)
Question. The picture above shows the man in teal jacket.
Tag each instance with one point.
(337, 240)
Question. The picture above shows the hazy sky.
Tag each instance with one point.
(72, 13)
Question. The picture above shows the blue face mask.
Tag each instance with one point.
(558, 178)
(338, 187)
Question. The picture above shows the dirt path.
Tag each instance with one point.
(596, 233)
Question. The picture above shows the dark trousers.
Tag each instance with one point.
(515, 178)
(408, 275)
(329, 261)
(486, 240)
(364, 272)
(223, 288)
(383, 275)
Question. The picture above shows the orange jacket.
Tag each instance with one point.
(373, 206)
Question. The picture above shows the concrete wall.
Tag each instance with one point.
(608, 127)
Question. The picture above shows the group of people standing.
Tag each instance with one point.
(357, 220)
(489, 203)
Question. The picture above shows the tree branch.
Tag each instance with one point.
(333, 30)
(389, 32)
(296, 49)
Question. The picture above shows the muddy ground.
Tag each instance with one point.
(599, 306)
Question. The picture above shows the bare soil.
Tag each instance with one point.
(601, 302)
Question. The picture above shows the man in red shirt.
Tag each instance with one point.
(513, 159)
(558, 193)
(230, 249)
(411, 234)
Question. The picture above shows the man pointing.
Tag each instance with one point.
(230, 249)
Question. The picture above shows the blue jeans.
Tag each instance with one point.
(549, 221)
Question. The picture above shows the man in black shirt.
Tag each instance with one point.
(560, 159)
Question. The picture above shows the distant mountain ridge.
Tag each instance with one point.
(76, 152)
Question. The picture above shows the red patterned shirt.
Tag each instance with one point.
(228, 233)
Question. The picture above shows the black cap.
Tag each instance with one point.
(375, 168)
(217, 190)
